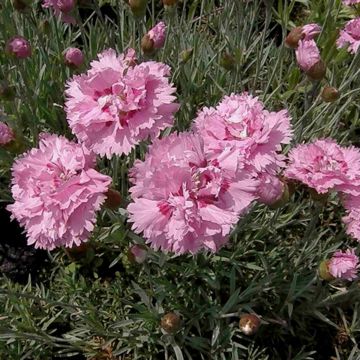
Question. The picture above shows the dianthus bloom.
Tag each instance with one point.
(74, 57)
(324, 165)
(117, 104)
(306, 32)
(154, 38)
(57, 193)
(62, 8)
(19, 47)
(350, 36)
(6, 134)
(351, 2)
(307, 54)
(184, 202)
(242, 123)
(344, 265)
(352, 219)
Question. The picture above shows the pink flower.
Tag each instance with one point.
(307, 54)
(57, 193)
(351, 2)
(350, 36)
(62, 8)
(240, 122)
(324, 165)
(310, 31)
(6, 134)
(19, 47)
(115, 106)
(184, 202)
(344, 265)
(157, 34)
(74, 57)
(352, 219)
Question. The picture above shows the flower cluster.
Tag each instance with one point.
(240, 122)
(118, 103)
(184, 201)
(57, 193)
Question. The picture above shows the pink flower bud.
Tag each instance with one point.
(6, 134)
(154, 39)
(137, 253)
(306, 32)
(19, 47)
(307, 54)
(74, 57)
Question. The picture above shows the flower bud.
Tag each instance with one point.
(294, 36)
(7, 92)
(171, 322)
(138, 7)
(154, 39)
(169, 2)
(147, 45)
(330, 94)
(44, 27)
(317, 71)
(186, 55)
(283, 199)
(19, 47)
(6, 134)
(249, 324)
(137, 254)
(227, 61)
(73, 57)
(324, 271)
(113, 199)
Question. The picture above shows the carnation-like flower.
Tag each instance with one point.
(241, 122)
(350, 36)
(6, 134)
(62, 9)
(19, 47)
(307, 54)
(154, 38)
(324, 165)
(344, 265)
(184, 202)
(351, 2)
(74, 57)
(117, 104)
(352, 219)
(57, 193)
(306, 32)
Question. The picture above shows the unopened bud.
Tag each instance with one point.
(330, 94)
(249, 324)
(324, 271)
(294, 36)
(171, 322)
(137, 254)
(147, 45)
(138, 7)
(113, 199)
(73, 57)
(284, 198)
(6, 135)
(227, 61)
(317, 71)
(18, 47)
(186, 55)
